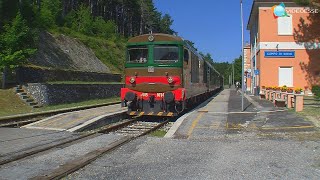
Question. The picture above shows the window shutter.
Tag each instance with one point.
(285, 26)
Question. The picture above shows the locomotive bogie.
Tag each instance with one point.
(169, 103)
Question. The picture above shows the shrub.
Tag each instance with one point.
(316, 90)
(284, 88)
(103, 28)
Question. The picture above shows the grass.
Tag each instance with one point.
(159, 133)
(110, 51)
(311, 113)
(10, 104)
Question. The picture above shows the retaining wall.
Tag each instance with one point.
(50, 94)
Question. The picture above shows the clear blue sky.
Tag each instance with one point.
(213, 25)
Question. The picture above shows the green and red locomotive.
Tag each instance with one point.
(164, 75)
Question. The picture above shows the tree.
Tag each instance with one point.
(16, 42)
(308, 31)
(165, 24)
(238, 69)
(49, 13)
(81, 20)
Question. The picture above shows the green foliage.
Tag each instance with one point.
(80, 20)
(316, 90)
(103, 28)
(225, 69)
(238, 69)
(165, 24)
(49, 14)
(16, 42)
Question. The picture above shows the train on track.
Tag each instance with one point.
(164, 75)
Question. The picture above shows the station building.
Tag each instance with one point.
(285, 48)
(247, 66)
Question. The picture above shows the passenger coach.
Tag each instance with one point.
(164, 75)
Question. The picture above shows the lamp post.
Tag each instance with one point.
(233, 72)
(242, 74)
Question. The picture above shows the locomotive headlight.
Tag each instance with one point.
(170, 80)
(132, 80)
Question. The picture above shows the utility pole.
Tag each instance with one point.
(242, 77)
(233, 72)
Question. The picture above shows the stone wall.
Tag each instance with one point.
(50, 94)
(38, 75)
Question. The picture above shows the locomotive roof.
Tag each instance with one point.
(166, 37)
(157, 37)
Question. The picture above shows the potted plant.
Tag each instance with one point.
(289, 90)
(284, 88)
(298, 90)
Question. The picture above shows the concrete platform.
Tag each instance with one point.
(73, 121)
(222, 115)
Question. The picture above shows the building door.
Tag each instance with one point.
(286, 76)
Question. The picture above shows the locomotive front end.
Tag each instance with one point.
(154, 76)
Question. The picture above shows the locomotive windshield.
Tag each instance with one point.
(166, 54)
(138, 54)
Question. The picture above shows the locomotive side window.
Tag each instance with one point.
(138, 54)
(166, 54)
(194, 68)
(186, 55)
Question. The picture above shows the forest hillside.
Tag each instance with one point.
(74, 34)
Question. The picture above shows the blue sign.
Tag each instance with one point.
(279, 54)
(248, 75)
(256, 72)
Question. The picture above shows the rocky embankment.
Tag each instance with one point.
(63, 52)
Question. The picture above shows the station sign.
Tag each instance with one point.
(279, 54)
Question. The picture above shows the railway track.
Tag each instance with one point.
(129, 129)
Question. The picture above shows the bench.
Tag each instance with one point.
(280, 102)
(262, 95)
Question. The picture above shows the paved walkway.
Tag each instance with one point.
(223, 115)
(72, 121)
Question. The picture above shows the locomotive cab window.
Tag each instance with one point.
(138, 54)
(166, 54)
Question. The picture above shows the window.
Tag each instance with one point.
(285, 76)
(205, 72)
(285, 26)
(194, 68)
(138, 54)
(186, 55)
(166, 54)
